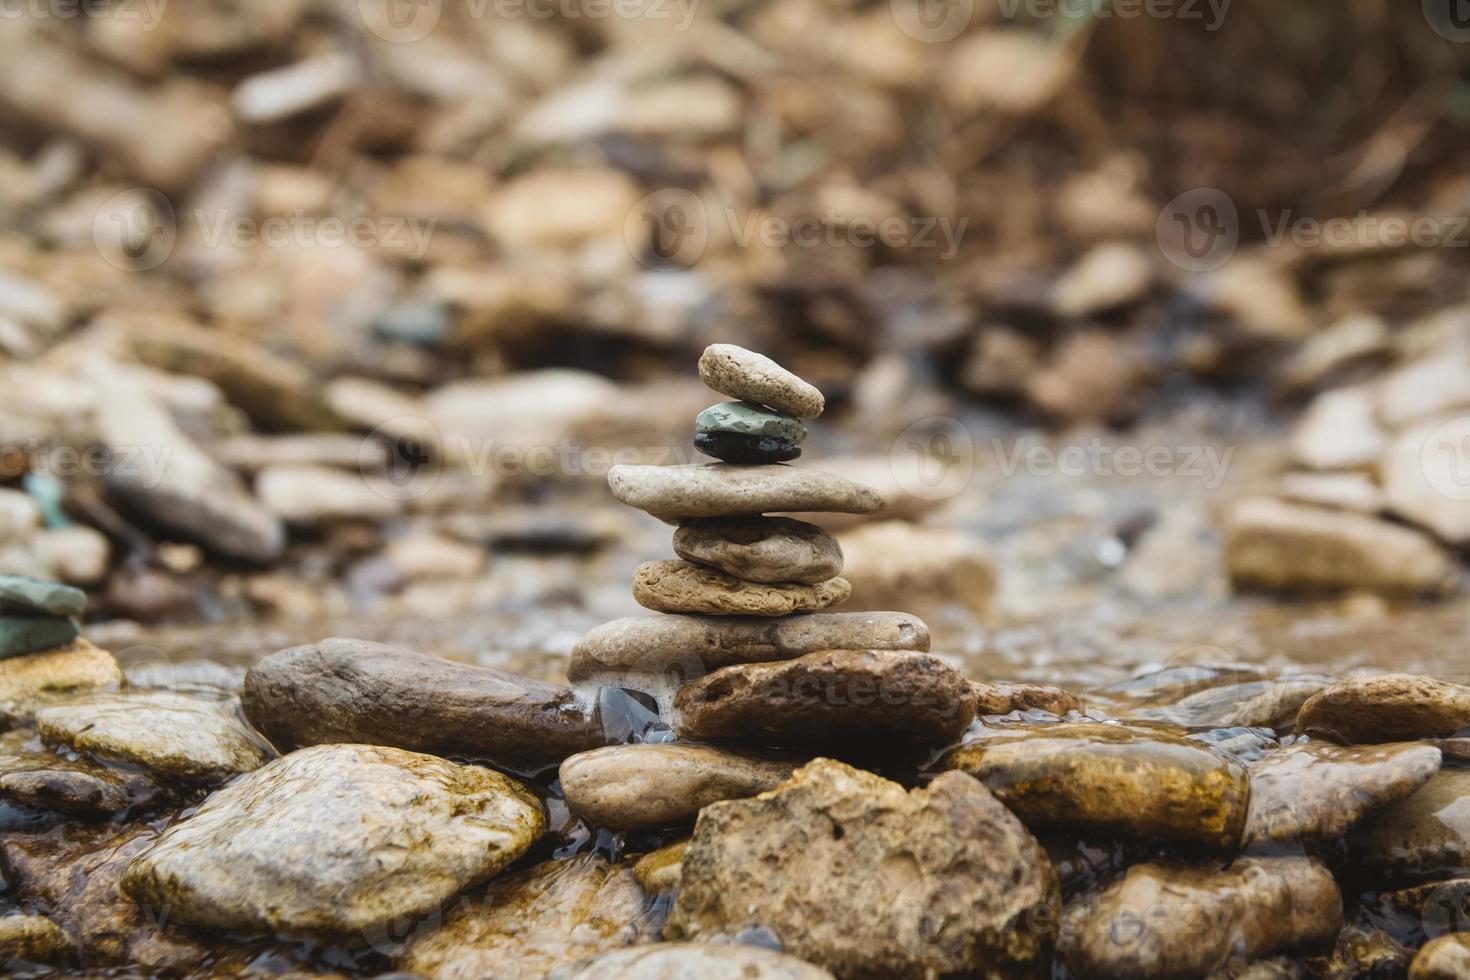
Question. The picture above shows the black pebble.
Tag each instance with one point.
(735, 448)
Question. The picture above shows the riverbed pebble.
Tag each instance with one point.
(749, 419)
(749, 376)
(692, 961)
(30, 682)
(1444, 958)
(1387, 708)
(1423, 836)
(26, 596)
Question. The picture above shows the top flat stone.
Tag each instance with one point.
(37, 597)
(724, 490)
(753, 377)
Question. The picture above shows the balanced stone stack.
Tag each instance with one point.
(37, 615)
(745, 628)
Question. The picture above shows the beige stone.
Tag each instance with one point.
(726, 490)
(762, 549)
(1387, 708)
(749, 376)
(681, 587)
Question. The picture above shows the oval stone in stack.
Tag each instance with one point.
(753, 377)
(762, 549)
(682, 587)
(744, 432)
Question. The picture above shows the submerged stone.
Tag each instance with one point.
(1110, 779)
(671, 585)
(762, 549)
(30, 939)
(663, 869)
(34, 776)
(1445, 958)
(1426, 835)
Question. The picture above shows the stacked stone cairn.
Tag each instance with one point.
(744, 651)
(37, 615)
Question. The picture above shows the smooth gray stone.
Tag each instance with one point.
(30, 634)
(38, 597)
(749, 419)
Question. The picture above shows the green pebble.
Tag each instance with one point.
(29, 634)
(38, 597)
(750, 419)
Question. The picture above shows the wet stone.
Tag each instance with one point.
(628, 786)
(1317, 791)
(729, 447)
(692, 645)
(687, 961)
(1387, 708)
(762, 549)
(1111, 779)
(35, 680)
(661, 870)
(531, 922)
(26, 596)
(753, 377)
(726, 490)
(838, 700)
(670, 585)
(748, 419)
(1224, 697)
(1171, 921)
(1436, 905)
(31, 634)
(343, 690)
(31, 938)
(34, 776)
(1361, 952)
(334, 840)
(1001, 698)
(1424, 836)
(175, 737)
(1445, 958)
(851, 872)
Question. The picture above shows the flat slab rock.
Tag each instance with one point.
(692, 961)
(834, 699)
(762, 549)
(1111, 779)
(48, 677)
(728, 490)
(531, 922)
(1167, 921)
(33, 775)
(1317, 791)
(342, 690)
(175, 737)
(670, 585)
(855, 874)
(749, 376)
(20, 635)
(655, 785)
(1424, 836)
(690, 645)
(333, 840)
(1387, 708)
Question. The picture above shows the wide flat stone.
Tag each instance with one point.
(1422, 837)
(655, 785)
(30, 939)
(727, 490)
(692, 961)
(343, 690)
(531, 922)
(1111, 779)
(749, 376)
(675, 586)
(1387, 708)
(175, 737)
(762, 549)
(836, 699)
(334, 840)
(34, 776)
(853, 873)
(1174, 921)
(691, 645)
(1317, 791)
(46, 677)
(29, 596)
(31, 634)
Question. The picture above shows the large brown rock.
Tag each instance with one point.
(531, 922)
(859, 876)
(1111, 779)
(836, 699)
(1387, 708)
(1165, 921)
(762, 549)
(1317, 791)
(674, 586)
(653, 785)
(355, 691)
(336, 841)
(691, 645)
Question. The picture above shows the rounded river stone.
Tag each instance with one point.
(1112, 780)
(1387, 708)
(1425, 835)
(669, 585)
(334, 840)
(1445, 958)
(855, 874)
(762, 549)
(748, 419)
(691, 645)
(654, 785)
(836, 699)
(727, 490)
(692, 961)
(660, 870)
(35, 680)
(733, 448)
(753, 377)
